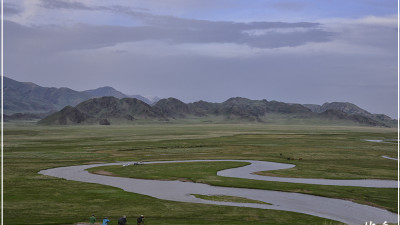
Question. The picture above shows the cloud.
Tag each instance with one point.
(367, 32)
(261, 32)
(390, 20)
(170, 29)
(308, 62)
(27, 10)
(11, 9)
(176, 32)
(288, 6)
(73, 5)
(176, 36)
(60, 4)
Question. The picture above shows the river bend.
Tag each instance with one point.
(335, 209)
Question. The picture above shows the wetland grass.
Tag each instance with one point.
(31, 198)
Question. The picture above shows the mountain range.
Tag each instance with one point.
(110, 110)
(26, 97)
(105, 105)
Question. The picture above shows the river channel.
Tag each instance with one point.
(335, 209)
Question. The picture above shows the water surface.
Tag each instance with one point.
(335, 209)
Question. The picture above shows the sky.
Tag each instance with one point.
(303, 51)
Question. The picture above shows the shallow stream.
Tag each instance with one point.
(335, 209)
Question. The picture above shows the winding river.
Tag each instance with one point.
(335, 209)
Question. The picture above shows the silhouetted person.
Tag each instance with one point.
(140, 220)
(92, 219)
(122, 220)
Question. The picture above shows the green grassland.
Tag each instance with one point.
(226, 198)
(327, 151)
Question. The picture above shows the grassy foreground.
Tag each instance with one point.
(30, 198)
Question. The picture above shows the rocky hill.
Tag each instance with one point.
(102, 110)
(172, 108)
(345, 107)
(350, 111)
(110, 110)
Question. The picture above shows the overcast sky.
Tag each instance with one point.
(303, 51)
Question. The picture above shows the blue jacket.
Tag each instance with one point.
(105, 221)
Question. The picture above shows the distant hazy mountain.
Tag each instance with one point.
(105, 91)
(26, 97)
(109, 91)
(22, 97)
(144, 99)
(25, 116)
(107, 110)
(153, 99)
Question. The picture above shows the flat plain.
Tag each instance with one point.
(332, 152)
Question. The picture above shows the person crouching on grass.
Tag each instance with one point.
(122, 220)
(92, 219)
(140, 220)
(105, 221)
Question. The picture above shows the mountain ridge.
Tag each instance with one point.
(124, 110)
(29, 100)
(348, 108)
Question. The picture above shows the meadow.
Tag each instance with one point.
(332, 152)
